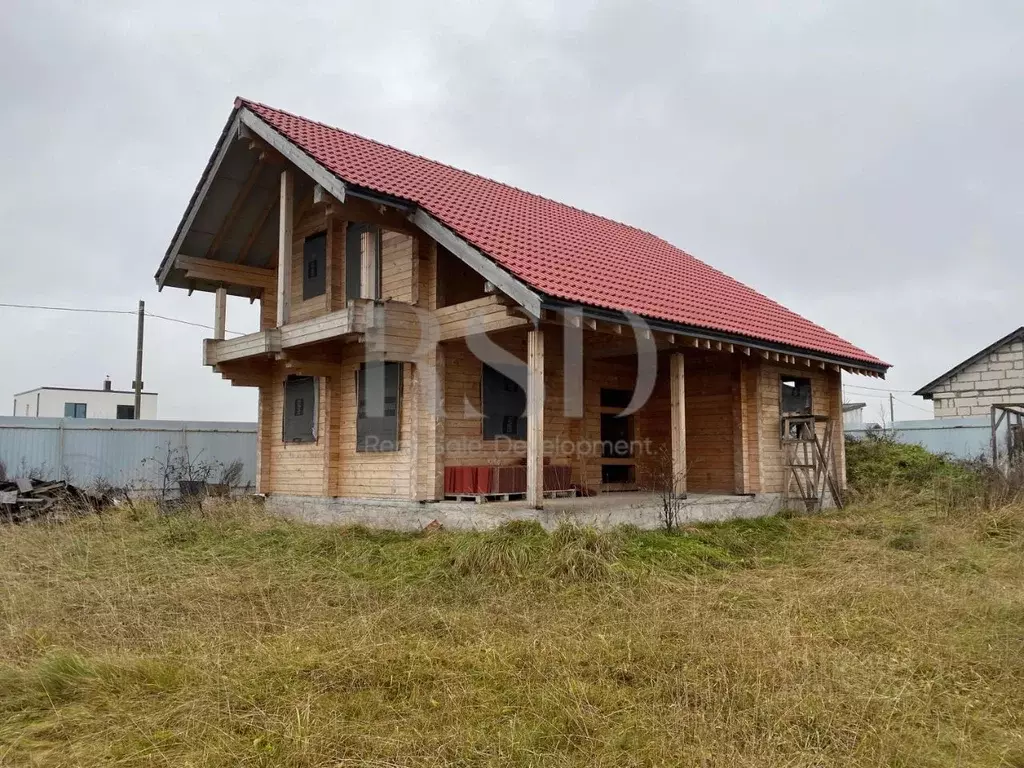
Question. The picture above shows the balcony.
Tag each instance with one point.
(264, 344)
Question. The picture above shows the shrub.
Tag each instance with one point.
(878, 462)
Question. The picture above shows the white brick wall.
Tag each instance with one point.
(997, 379)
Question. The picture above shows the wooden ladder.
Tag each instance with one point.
(809, 469)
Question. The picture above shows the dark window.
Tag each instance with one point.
(126, 411)
(74, 410)
(299, 424)
(796, 396)
(503, 405)
(378, 387)
(314, 261)
(617, 473)
(616, 436)
(794, 401)
(615, 398)
(354, 241)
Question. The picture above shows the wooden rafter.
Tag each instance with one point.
(257, 228)
(236, 207)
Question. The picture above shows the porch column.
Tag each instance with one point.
(678, 404)
(284, 248)
(535, 418)
(220, 313)
(741, 429)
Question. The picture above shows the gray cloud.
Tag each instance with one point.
(860, 162)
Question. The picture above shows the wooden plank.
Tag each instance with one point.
(220, 310)
(284, 247)
(488, 269)
(677, 384)
(229, 274)
(535, 418)
(302, 161)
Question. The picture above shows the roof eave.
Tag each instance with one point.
(761, 345)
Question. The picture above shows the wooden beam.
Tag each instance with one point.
(369, 264)
(741, 431)
(236, 207)
(535, 418)
(284, 247)
(488, 269)
(292, 153)
(229, 274)
(221, 152)
(677, 374)
(220, 313)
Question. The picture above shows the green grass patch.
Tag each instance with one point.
(885, 634)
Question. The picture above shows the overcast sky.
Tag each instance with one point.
(861, 162)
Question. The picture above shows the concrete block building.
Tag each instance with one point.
(993, 376)
(72, 403)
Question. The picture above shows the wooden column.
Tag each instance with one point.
(535, 418)
(741, 431)
(436, 418)
(284, 247)
(368, 264)
(677, 374)
(835, 384)
(220, 312)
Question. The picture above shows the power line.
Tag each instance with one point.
(112, 312)
(70, 309)
(911, 405)
(878, 389)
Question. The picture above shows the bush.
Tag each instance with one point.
(878, 462)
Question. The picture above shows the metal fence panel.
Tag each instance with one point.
(967, 437)
(123, 453)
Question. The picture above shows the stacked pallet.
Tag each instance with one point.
(25, 498)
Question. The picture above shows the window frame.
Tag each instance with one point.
(487, 432)
(74, 410)
(803, 413)
(316, 287)
(386, 445)
(295, 381)
(117, 412)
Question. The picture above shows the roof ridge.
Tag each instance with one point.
(241, 100)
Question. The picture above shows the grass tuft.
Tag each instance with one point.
(890, 633)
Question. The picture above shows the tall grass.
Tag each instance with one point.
(888, 634)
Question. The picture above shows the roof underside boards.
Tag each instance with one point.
(563, 252)
(927, 390)
(252, 189)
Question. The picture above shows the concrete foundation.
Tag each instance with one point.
(603, 512)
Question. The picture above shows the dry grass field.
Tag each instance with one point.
(891, 633)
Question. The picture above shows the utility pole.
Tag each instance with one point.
(892, 409)
(137, 384)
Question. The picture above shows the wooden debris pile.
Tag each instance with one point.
(25, 498)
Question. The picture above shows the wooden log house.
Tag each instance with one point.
(385, 281)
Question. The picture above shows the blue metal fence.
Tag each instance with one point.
(123, 453)
(967, 437)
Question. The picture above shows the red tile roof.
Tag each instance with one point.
(559, 250)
